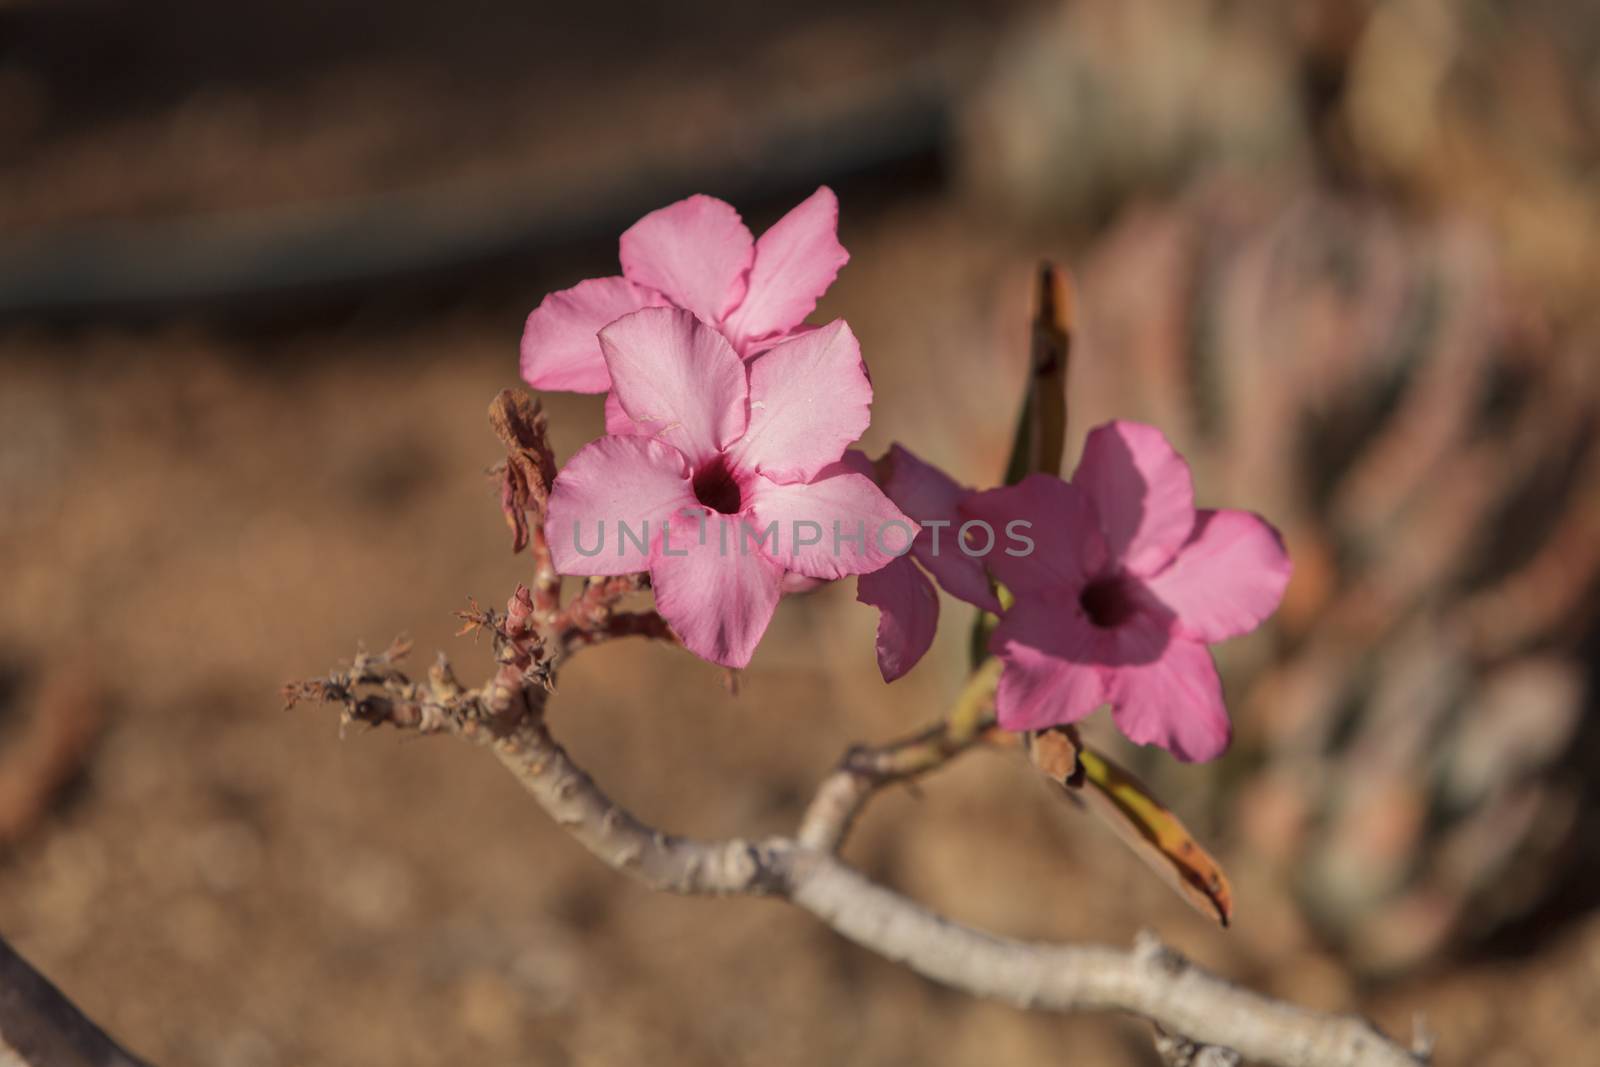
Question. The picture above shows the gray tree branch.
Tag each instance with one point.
(39, 1027)
(1150, 980)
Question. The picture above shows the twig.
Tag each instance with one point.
(863, 771)
(546, 582)
(591, 617)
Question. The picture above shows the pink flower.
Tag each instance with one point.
(1128, 585)
(731, 479)
(907, 602)
(696, 255)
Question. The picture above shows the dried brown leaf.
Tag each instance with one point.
(530, 466)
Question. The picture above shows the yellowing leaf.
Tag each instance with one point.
(1142, 822)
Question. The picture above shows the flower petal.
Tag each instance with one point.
(809, 398)
(932, 498)
(795, 262)
(958, 574)
(618, 423)
(919, 488)
(696, 252)
(749, 350)
(1172, 699)
(678, 376)
(1142, 491)
(851, 527)
(854, 461)
(1051, 674)
(798, 584)
(908, 614)
(1227, 578)
(1046, 535)
(616, 480)
(559, 349)
(717, 598)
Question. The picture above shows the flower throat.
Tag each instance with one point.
(716, 488)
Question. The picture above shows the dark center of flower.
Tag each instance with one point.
(1108, 601)
(716, 488)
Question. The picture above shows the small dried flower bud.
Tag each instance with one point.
(530, 466)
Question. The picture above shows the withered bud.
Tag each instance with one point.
(530, 466)
(519, 611)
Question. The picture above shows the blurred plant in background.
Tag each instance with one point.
(1434, 465)
(1379, 376)
(1095, 101)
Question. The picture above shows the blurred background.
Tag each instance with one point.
(262, 268)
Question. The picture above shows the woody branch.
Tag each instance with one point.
(506, 715)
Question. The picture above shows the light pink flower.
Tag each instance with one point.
(907, 602)
(1127, 586)
(697, 255)
(722, 450)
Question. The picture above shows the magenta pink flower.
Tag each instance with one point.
(697, 255)
(730, 479)
(907, 602)
(1127, 586)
